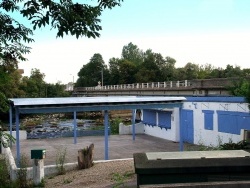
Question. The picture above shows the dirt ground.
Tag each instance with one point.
(118, 173)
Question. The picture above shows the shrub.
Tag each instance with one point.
(60, 160)
(235, 146)
(114, 126)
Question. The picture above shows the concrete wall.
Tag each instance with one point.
(201, 135)
(22, 134)
(169, 134)
(213, 137)
(127, 129)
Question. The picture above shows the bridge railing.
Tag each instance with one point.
(134, 86)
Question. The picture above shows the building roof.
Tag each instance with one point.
(70, 104)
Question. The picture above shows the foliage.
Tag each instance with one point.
(4, 174)
(114, 125)
(235, 146)
(65, 16)
(60, 160)
(22, 180)
(6, 138)
(35, 86)
(241, 88)
(91, 73)
(4, 105)
(120, 178)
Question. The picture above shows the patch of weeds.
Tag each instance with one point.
(67, 181)
(121, 178)
(60, 160)
(22, 180)
(51, 177)
(4, 174)
(114, 125)
(41, 184)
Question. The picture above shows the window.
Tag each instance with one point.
(149, 117)
(208, 119)
(164, 119)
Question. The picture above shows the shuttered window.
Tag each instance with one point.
(164, 119)
(208, 119)
(149, 117)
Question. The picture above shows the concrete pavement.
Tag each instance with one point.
(120, 146)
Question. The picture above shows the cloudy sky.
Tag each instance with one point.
(213, 32)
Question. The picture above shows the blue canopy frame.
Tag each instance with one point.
(80, 104)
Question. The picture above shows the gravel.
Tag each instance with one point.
(102, 174)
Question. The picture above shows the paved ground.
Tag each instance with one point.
(120, 146)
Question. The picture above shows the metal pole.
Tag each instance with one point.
(181, 129)
(17, 138)
(133, 123)
(106, 135)
(75, 134)
(10, 119)
(102, 77)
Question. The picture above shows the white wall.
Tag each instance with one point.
(201, 135)
(169, 134)
(213, 137)
(128, 129)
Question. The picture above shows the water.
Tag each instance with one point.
(63, 129)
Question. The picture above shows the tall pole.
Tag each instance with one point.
(102, 76)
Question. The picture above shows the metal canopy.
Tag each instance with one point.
(71, 104)
(75, 104)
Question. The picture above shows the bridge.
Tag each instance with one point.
(201, 87)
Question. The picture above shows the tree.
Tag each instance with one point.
(56, 90)
(191, 71)
(132, 53)
(232, 71)
(90, 74)
(65, 16)
(151, 68)
(33, 86)
(241, 88)
(127, 72)
(169, 70)
(114, 70)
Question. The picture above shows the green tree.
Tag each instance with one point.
(169, 70)
(232, 71)
(65, 16)
(191, 71)
(127, 72)
(56, 90)
(114, 70)
(132, 53)
(151, 68)
(33, 86)
(90, 74)
(204, 71)
(241, 88)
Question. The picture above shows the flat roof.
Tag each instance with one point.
(70, 104)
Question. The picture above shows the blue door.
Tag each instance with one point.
(187, 126)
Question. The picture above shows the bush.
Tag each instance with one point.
(4, 174)
(114, 126)
(235, 146)
(60, 160)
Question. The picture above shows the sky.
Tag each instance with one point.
(215, 32)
